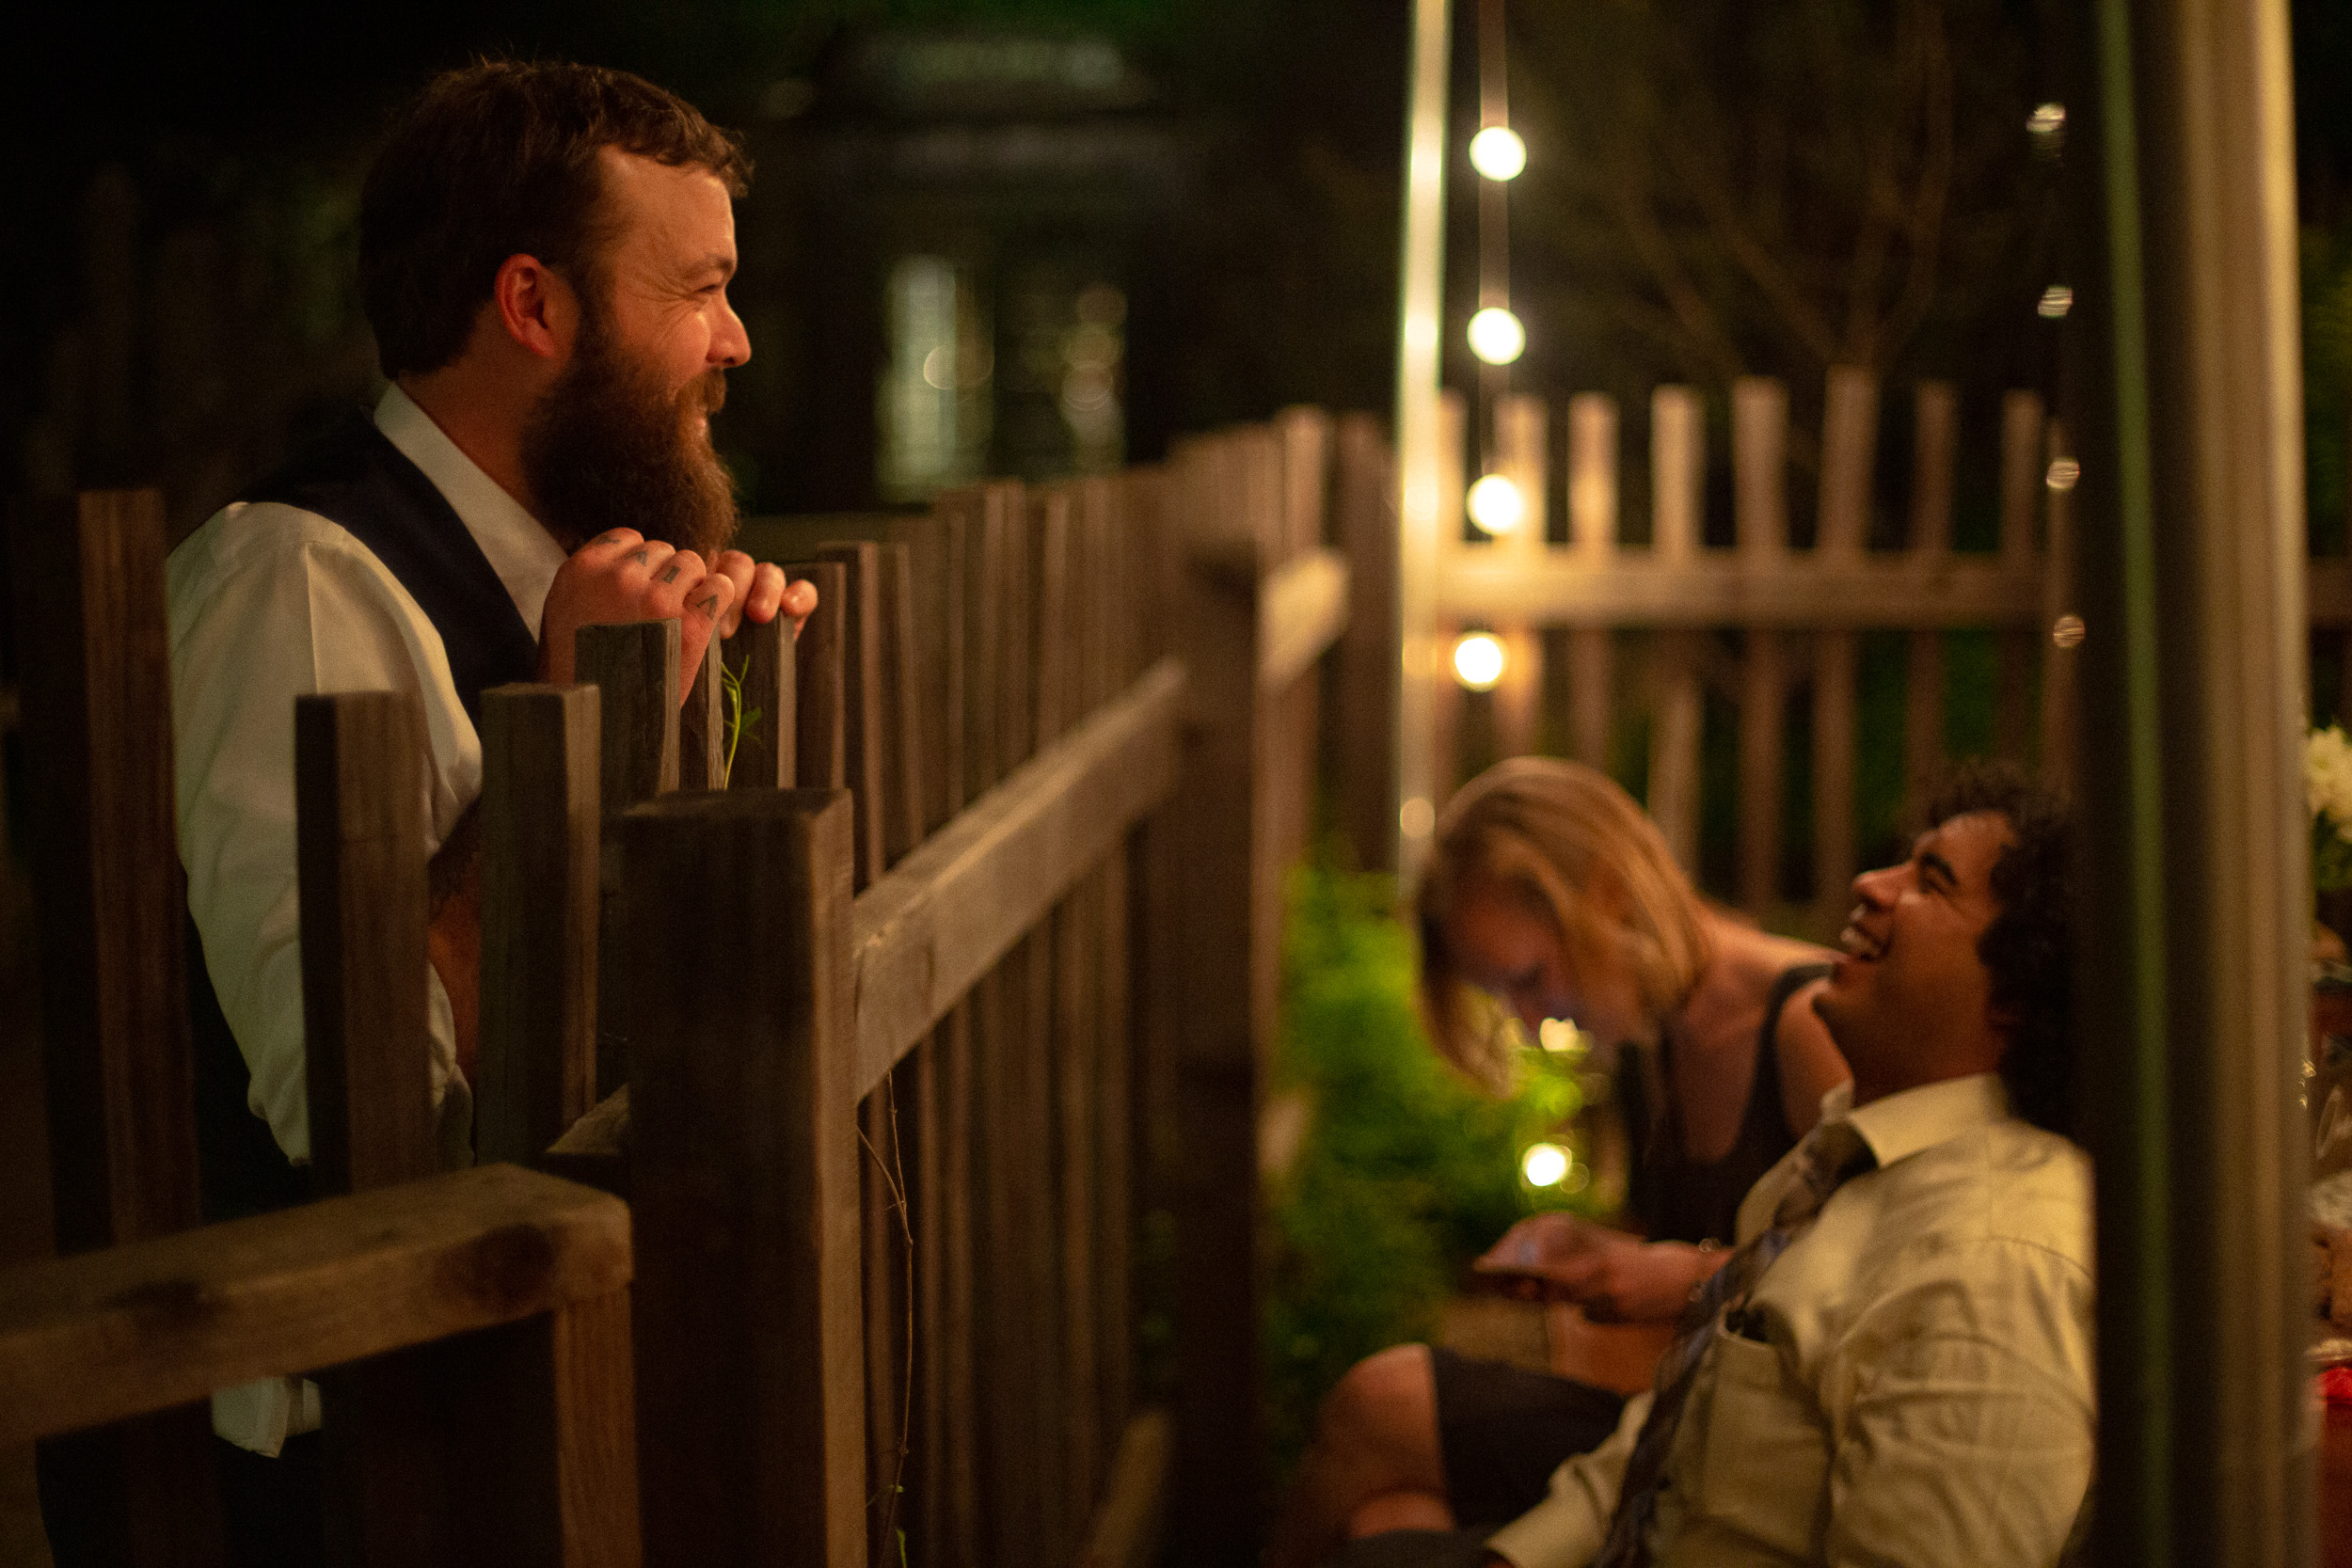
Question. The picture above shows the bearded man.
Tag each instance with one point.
(544, 253)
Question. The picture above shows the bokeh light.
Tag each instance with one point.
(1479, 662)
(1545, 1164)
(1497, 152)
(1495, 336)
(1496, 504)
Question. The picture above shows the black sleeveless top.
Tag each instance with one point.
(356, 478)
(1678, 1198)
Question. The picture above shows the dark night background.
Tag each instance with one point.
(181, 182)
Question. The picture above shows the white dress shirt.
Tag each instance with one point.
(1921, 1390)
(268, 603)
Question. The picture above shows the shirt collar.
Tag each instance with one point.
(524, 555)
(1906, 1122)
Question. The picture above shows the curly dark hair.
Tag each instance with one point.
(497, 159)
(2029, 945)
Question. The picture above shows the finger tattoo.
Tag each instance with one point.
(671, 576)
(640, 557)
(707, 606)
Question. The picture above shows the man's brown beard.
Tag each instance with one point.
(608, 447)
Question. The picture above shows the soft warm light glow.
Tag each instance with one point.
(2067, 631)
(2056, 301)
(1416, 816)
(1496, 504)
(2063, 475)
(1556, 1034)
(1495, 336)
(1497, 152)
(2047, 120)
(1478, 661)
(1545, 1164)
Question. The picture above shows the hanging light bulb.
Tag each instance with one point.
(1497, 152)
(1496, 504)
(1479, 662)
(1495, 336)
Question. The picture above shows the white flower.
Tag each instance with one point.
(2328, 777)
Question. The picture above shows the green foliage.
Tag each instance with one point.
(1406, 1172)
(739, 723)
(2332, 856)
(2327, 382)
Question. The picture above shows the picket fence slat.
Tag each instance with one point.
(821, 658)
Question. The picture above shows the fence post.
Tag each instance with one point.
(1364, 736)
(1760, 442)
(1521, 425)
(634, 667)
(1935, 441)
(743, 1177)
(1678, 475)
(1759, 461)
(541, 749)
(865, 747)
(770, 685)
(1850, 427)
(113, 933)
(2060, 656)
(1592, 536)
(1225, 999)
(702, 725)
(1442, 698)
(2022, 420)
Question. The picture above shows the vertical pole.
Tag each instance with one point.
(1443, 705)
(1673, 765)
(1422, 505)
(1519, 452)
(1763, 695)
(1592, 538)
(1936, 449)
(763, 655)
(743, 1179)
(2060, 641)
(821, 664)
(1849, 432)
(1759, 462)
(1365, 731)
(541, 747)
(634, 667)
(1226, 998)
(1834, 656)
(863, 741)
(94, 660)
(702, 725)
(2022, 420)
(1678, 475)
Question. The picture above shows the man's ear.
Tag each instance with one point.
(536, 308)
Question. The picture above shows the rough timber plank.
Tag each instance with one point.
(136, 1328)
(1302, 610)
(926, 934)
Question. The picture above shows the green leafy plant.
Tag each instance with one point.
(1404, 1173)
(739, 723)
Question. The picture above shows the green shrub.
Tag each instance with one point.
(1406, 1172)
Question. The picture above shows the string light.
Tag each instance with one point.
(1479, 662)
(1496, 505)
(2056, 301)
(1498, 152)
(1495, 336)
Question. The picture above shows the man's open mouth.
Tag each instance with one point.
(1860, 944)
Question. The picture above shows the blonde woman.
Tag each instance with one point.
(1549, 890)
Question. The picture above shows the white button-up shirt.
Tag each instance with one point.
(1921, 1389)
(268, 603)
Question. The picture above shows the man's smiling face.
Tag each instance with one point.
(1911, 1002)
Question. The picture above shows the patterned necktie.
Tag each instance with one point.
(1831, 1153)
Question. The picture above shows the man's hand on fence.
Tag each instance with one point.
(622, 576)
(761, 593)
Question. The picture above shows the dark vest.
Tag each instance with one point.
(356, 478)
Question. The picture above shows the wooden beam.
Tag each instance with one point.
(1126, 1528)
(1301, 611)
(927, 931)
(136, 1328)
(1364, 732)
(1805, 591)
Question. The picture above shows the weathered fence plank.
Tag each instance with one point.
(541, 747)
(820, 665)
(764, 656)
(743, 1180)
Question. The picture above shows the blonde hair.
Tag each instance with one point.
(1576, 847)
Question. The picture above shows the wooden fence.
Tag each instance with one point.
(1798, 613)
(878, 1073)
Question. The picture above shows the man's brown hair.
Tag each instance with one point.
(499, 159)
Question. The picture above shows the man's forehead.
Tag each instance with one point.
(684, 207)
(1969, 841)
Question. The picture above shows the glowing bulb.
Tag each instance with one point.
(1495, 336)
(2056, 301)
(1496, 504)
(1478, 661)
(1497, 152)
(1545, 1164)
(1556, 1034)
(2047, 120)
(2063, 475)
